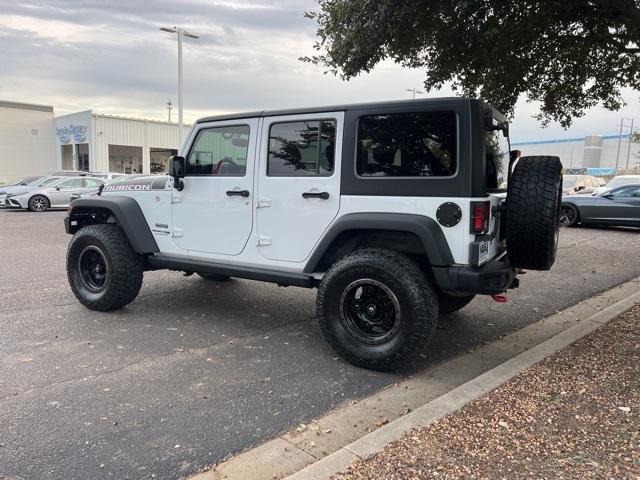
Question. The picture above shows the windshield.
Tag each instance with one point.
(49, 181)
(569, 181)
(617, 181)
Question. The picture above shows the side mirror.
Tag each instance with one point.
(608, 196)
(177, 164)
(58, 188)
(581, 187)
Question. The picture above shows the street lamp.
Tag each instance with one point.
(181, 33)
(414, 91)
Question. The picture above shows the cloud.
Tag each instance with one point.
(111, 57)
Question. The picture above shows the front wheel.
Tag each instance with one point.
(377, 309)
(104, 271)
(569, 215)
(38, 203)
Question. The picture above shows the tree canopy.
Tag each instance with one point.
(569, 55)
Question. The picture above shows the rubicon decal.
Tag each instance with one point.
(119, 188)
(138, 185)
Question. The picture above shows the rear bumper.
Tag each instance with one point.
(495, 276)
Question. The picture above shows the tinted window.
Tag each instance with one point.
(220, 151)
(407, 145)
(294, 148)
(632, 191)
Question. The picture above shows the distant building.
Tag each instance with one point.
(104, 143)
(592, 152)
(27, 141)
(33, 141)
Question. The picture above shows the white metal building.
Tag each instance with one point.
(27, 142)
(594, 151)
(104, 143)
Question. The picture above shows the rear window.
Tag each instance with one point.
(421, 144)
(496, 152)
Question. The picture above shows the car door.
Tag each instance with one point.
(298, 183)
(213, 214)
(59, 195)
(619, 206)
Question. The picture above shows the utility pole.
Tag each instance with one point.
(626, 168)
(413, 90)
(622, 125)
(181, 32)
(169, 107)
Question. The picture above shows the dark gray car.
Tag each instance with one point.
(618, 206)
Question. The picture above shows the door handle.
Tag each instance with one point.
(322, 195)
(239, 193)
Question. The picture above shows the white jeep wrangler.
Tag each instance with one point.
(392, 210)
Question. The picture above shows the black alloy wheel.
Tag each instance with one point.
(370, 311)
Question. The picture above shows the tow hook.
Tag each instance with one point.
(498, 297)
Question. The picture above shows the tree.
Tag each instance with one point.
(569, 55)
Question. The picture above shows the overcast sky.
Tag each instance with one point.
(111, 57)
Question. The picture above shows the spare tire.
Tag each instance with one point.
(534, 196)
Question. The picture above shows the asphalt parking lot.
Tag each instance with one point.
(193, 371)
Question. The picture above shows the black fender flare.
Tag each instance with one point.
(127, 213)
(425, 228)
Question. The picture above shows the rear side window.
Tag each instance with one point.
(421, 144)
(220, 151)
(302, 148)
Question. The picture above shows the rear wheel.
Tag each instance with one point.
(450, 304)
(38, 203)
(214, 277)
(104, 271)
(377, 309)
(534, 196)
(569, 215)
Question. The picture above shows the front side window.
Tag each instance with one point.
(302, 148)
(421, 144)
(220, 151)
(73, 183)
(93, 182)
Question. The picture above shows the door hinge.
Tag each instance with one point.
(177, 232)
(264, 241)
(264, 202)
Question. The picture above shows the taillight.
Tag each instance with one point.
(480, 217)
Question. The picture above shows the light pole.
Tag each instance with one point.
(414, 91)
(169, 107)
(181, 33)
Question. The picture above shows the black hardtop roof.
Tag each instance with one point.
(338, 108)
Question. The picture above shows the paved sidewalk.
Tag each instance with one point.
(573, 415)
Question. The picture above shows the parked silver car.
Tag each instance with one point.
(53, 193)
(17, 185)
(618, 206)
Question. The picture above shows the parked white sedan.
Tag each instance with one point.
(52, 194)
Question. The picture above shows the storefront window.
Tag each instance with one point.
(125, 159)
(159, 159)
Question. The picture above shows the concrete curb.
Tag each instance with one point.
(331, 442)
(459, 397)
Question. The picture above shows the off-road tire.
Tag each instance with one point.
(534, 196)
(417, 314)
(214, 277)
(124, 267)
(449, 304)
(573, 217)
(37, 200)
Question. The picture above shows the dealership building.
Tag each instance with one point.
(34, 141)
